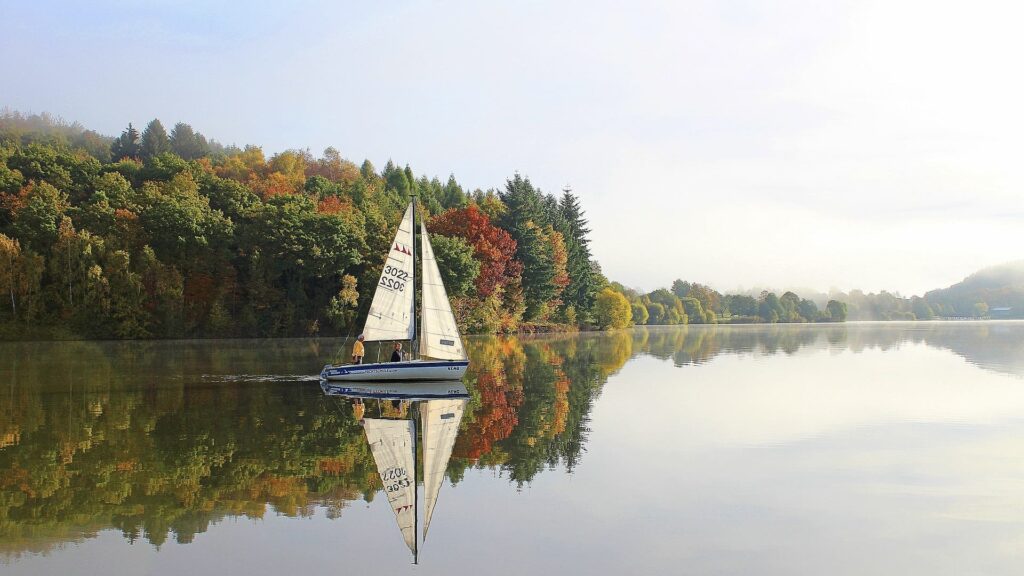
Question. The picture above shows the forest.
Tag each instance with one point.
(158, 234)
(168, 234)
(694, 303)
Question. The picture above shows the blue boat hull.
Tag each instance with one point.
(411, 370)
(415, 390)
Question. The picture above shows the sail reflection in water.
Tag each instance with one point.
(440, 420)
(393, 443)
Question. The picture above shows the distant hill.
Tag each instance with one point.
(997, 291)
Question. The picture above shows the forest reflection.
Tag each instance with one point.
(997, 346)
(161, 440)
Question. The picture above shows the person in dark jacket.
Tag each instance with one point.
(396, 356)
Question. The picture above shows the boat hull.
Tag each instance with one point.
(422, 390)
(411, 370)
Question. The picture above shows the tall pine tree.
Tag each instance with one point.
(126, 145)
(525, 220)
(154, 140)
(582, 289)
(188, 143)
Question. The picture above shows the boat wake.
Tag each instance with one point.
(232, 378)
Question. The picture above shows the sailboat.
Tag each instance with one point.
(393, 444)
(392, 316)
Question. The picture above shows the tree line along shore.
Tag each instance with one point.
(168, 234)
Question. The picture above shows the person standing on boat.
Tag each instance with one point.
(396, 356)
(358, 350)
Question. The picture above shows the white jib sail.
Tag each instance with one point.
(392, 313)
(392, 444)
(441, 420)
(439, 336)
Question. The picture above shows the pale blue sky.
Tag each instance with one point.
(794, 143)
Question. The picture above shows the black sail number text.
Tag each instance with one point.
(395, 479)
(394, 278)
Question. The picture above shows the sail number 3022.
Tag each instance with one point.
(395, 479)
(394, 278)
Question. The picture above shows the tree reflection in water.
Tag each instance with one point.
(160, 440)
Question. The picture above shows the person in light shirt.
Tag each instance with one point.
(358, 350)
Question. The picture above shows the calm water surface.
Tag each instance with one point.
(858, 449)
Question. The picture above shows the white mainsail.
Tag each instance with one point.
(440, 334)
(392, 312)
(440, 420)
(394, 450)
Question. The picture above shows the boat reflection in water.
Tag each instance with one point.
(436, 409)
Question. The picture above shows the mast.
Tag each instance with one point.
(415, 489)
(415, 324)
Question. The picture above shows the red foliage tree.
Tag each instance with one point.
(332, 205)
(492, 246)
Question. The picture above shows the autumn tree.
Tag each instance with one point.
(671, 311)
(243, 165)
(612, 309)
(695, 312)
(289, 168)
(560, 279)
(639, 313)
(493, 247)
(341, 310)
(38, 211)
(10, 276)
(334, 168)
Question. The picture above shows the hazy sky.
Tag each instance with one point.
(795, 143)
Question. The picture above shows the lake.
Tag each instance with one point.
(865, 448)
